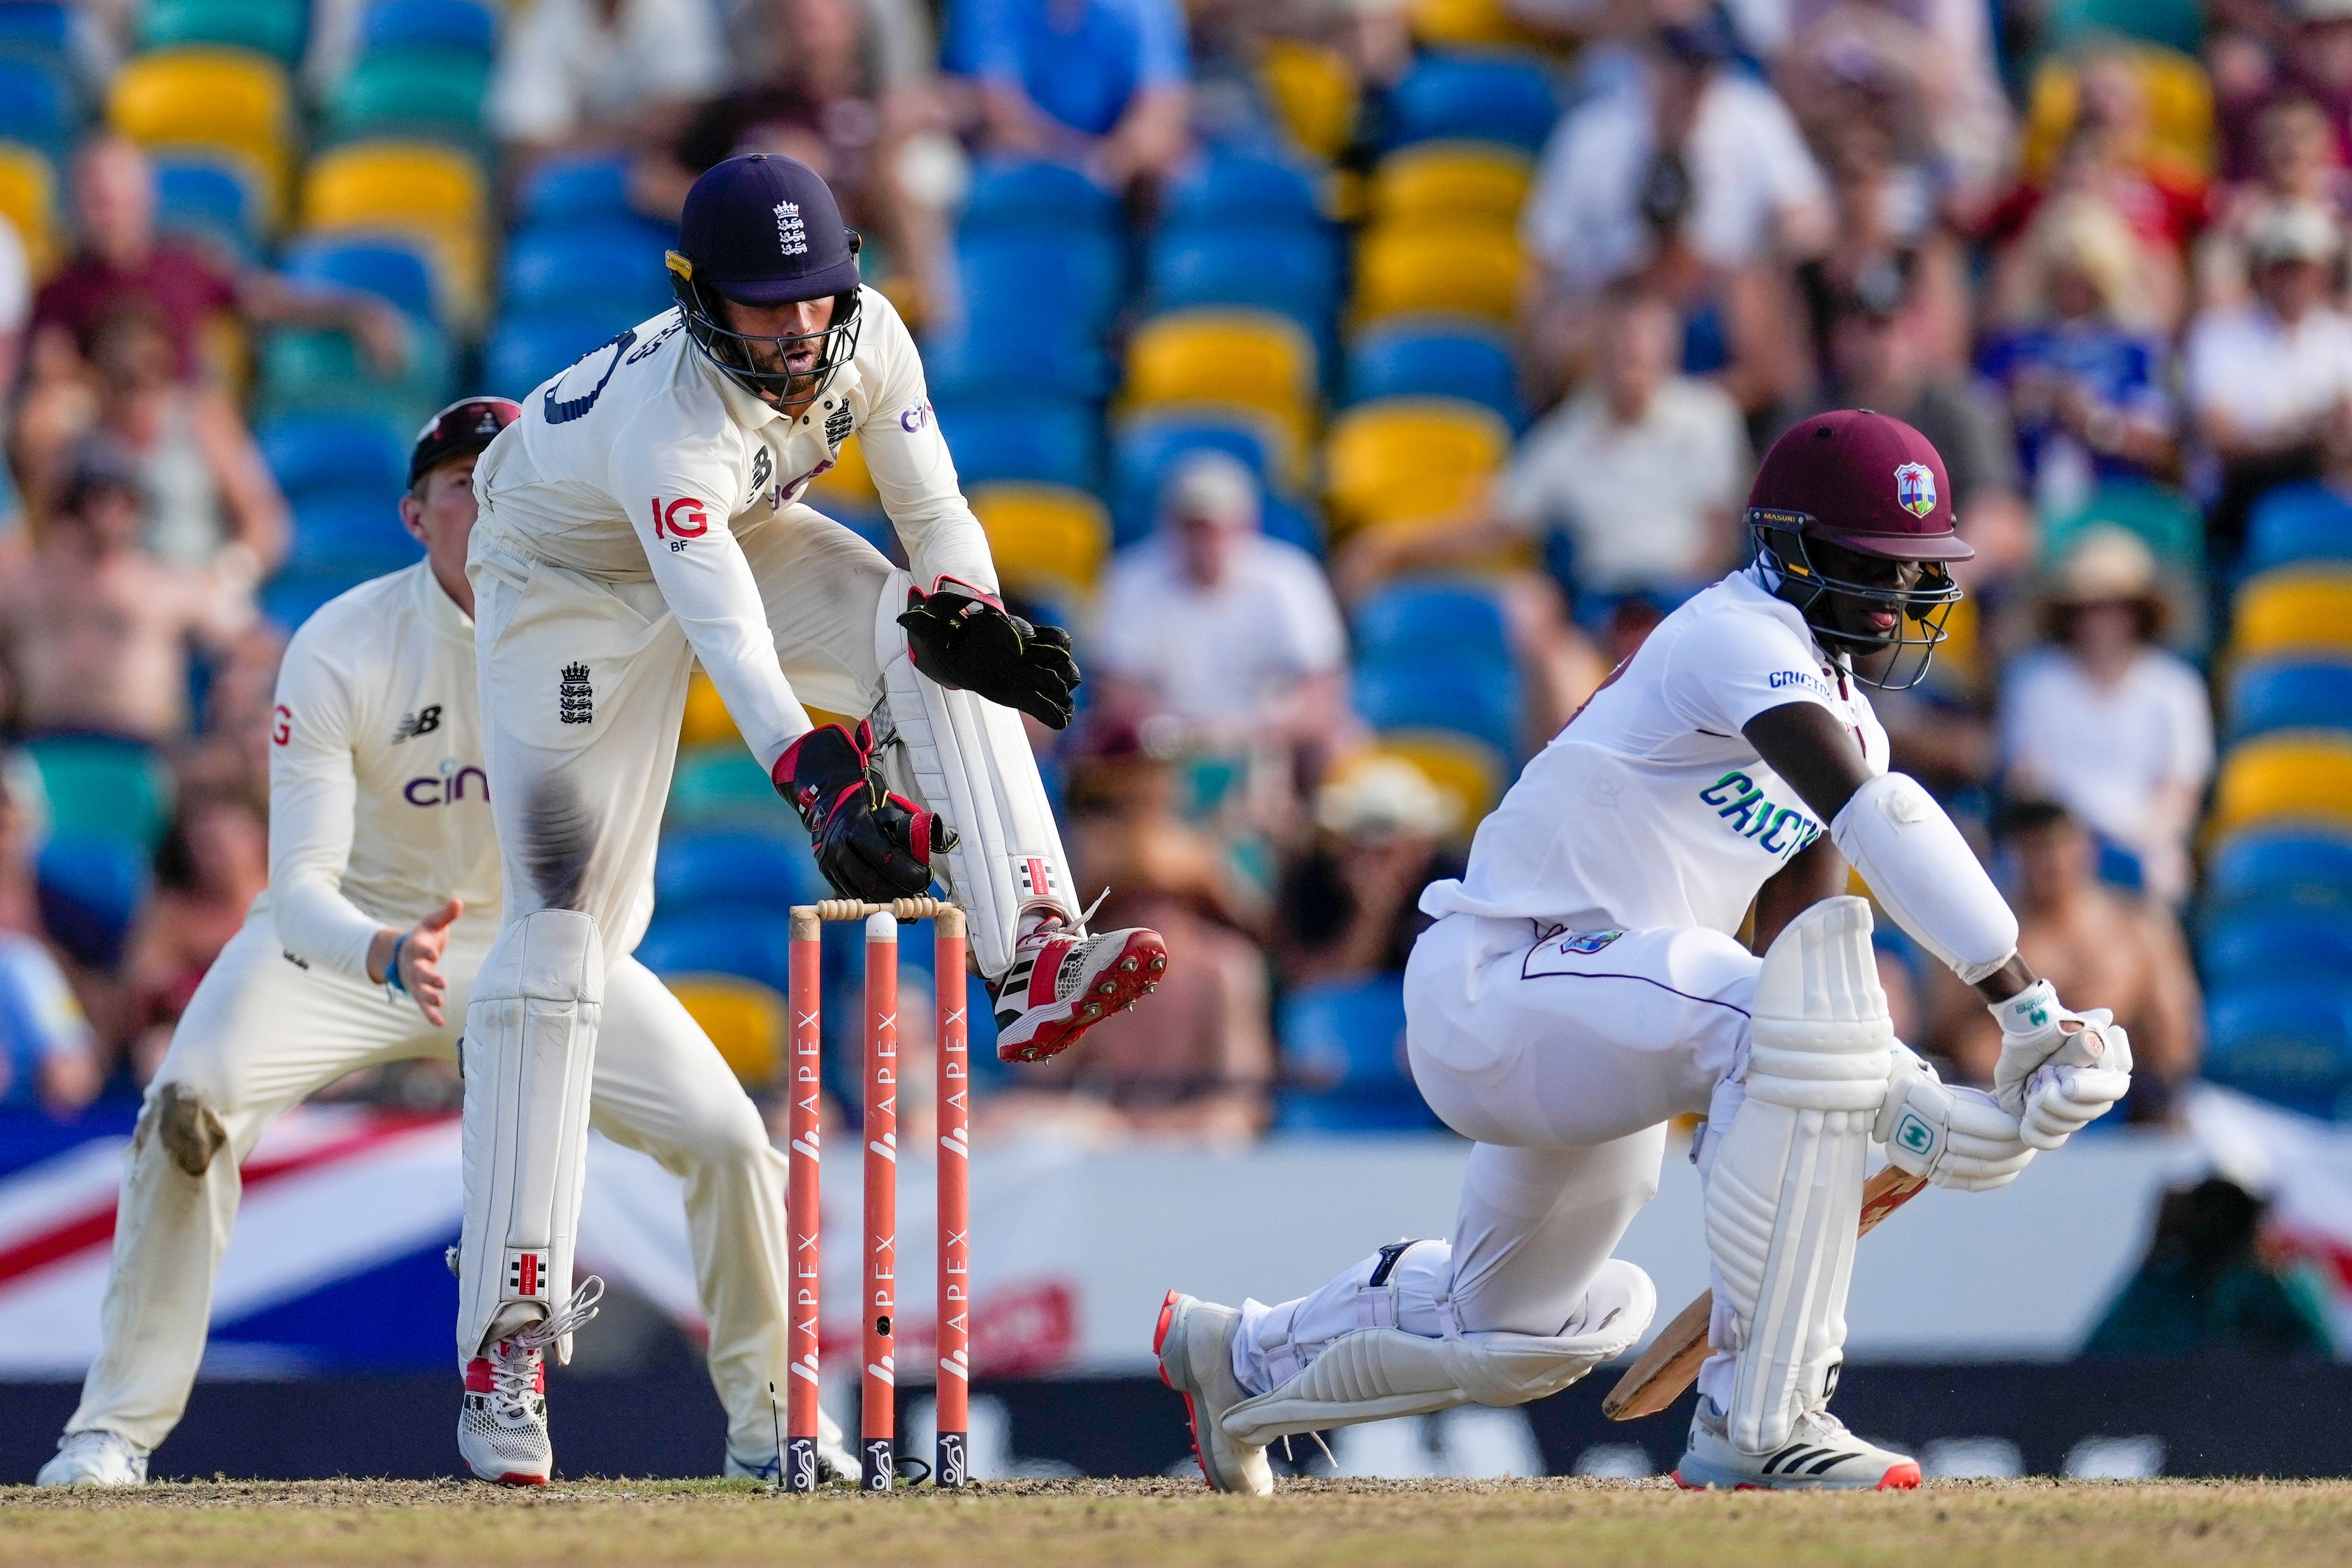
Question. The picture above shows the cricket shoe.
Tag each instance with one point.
(1820, 1453)
(834, 1460)
(1061, 984)
(1194, 1342)
(96, 1457)
(502, 1424)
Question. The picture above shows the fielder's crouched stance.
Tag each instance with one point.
(1581, 988)
(384, 897)
(643, 514)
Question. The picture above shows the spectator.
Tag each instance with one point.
(1347, 909)
(95, 632)
(15, 306)
(2085, 379)
(2088, 940)
(2104, 688)
(209, 868)
(48, 1054)
(2264, 378)
(1104, 85)
(1923, 69)
(2207, 1285)
(2298, 162)
(597, 73)
(1230, 633)
(121, 263)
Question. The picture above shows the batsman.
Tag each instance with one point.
(1582, 985)
(645, 512)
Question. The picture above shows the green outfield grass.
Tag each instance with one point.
(1129, 1524)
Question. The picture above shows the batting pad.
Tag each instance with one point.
(1784, 1183)
(529, 1054)
(968, 760)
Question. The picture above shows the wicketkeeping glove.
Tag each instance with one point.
(964, 640)
(870, 844)
(1954, 1137)
(2078, 1063)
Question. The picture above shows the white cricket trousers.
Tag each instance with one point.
(263, 1033)
(1563, 1057)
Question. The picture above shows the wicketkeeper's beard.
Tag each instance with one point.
(770, 360)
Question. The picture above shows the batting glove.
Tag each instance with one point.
(1954, 1137)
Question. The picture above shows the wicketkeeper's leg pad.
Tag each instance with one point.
(1783, 1182)
(968, 760)
(529, 1056)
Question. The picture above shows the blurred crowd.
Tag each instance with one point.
(2094, 251)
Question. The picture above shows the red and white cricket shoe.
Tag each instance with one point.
(1194, 1342)
(502, 1424)
(1061, 984)
(1821, 1455)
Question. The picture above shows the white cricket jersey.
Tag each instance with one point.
(379, 807)
(642, 459)
(1650, 808)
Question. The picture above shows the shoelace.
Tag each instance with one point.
(514, 1362)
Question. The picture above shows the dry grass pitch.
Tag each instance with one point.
(1075, 1524)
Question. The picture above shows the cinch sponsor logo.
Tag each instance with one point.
(1804, 679)
(450, 787)
(1780, 829)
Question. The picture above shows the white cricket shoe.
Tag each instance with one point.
(834, 1460)
(1819, 1453)
(1061, 984)
(502, 1424)
(96, 1457)
(1194, 1342)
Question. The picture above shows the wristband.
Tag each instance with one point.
(392, 980)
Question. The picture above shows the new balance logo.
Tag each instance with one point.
(763, 469)
(424, 721)
(576, 700)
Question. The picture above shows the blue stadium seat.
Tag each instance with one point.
(609, 269)
(2294, 694)
(385, 267)
(1062, 282)
(575, 190)
(349, 535)
(1474, 97)
(1343, 1060)
(2285, 944)
(1293, 272)
(1038, 195)
(750, 940)
(988, 356)
(1406, 621)
(1470, 697)
(294, 595)
(1045, 441)
(198, 197)
(36, 27)
(2307, 521)
(311, 369)
(733, 867)
(526, 349)
(37, 105)
(90, 887)
(313, 453)
(2291, 1046)
(1420, 359)
(1230, 188)
(457, 25)
(2289, 866)
(1146, 448)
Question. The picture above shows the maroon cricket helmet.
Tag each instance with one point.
(466, 425)
(1860, 480)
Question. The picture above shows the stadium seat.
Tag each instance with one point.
(1146, 447)
(1466, 24)
(2284, 945)
(1439, 182)
(2276, 780)
(1313, 91)
(1435, 357)
(349, 535)
(2291, 695)
(1406, 620)
(723, 785)
(752, 941)
(1292, 273)
(1023, 440)
(213, 197)
(2294, 609)
(41, 29)
(38, 106)
(2176, 107)
(609, 269)
(1473, 773)
(308, 453)
(311, 369)
(746, 1020)
(459, 26)
(1474, 97)
(525, 351)
(2280, 868)
(1407, 459)
(90, 888)
(2291, 1044)
(1472, 269)
(707, 721)
(985, 354)
(1067, 283)
(272, 27)
(1227, 189)
(433, 194)
(736, 865)
(28, 200)
(412, 92)
(1252, 359)
(2175, 24)
(1469, 696)
(575, 190)
(1343, 1060)
(1031, 196)
(208, 95)
(1046, 539)
(391, 269)
(103, 788)
(2306, 522)
(2166, 522)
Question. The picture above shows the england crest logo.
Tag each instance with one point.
(1915, 489)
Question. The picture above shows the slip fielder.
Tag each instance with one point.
(1582, 985)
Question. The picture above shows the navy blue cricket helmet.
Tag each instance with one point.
(764, 230)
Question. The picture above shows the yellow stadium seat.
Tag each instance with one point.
(204, 96)
(745, 1019)
(2293, 608)
(2293, 776)
(706, 719)
(1315, 91)
(847, 486)
(28, 200)
(1468, 769)
(1251, 358)
(1046, 539)
(1451, 181)
(416, 189)
(1410, 460)
(2178, 95)
(1406, 269)
(1473, 24)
